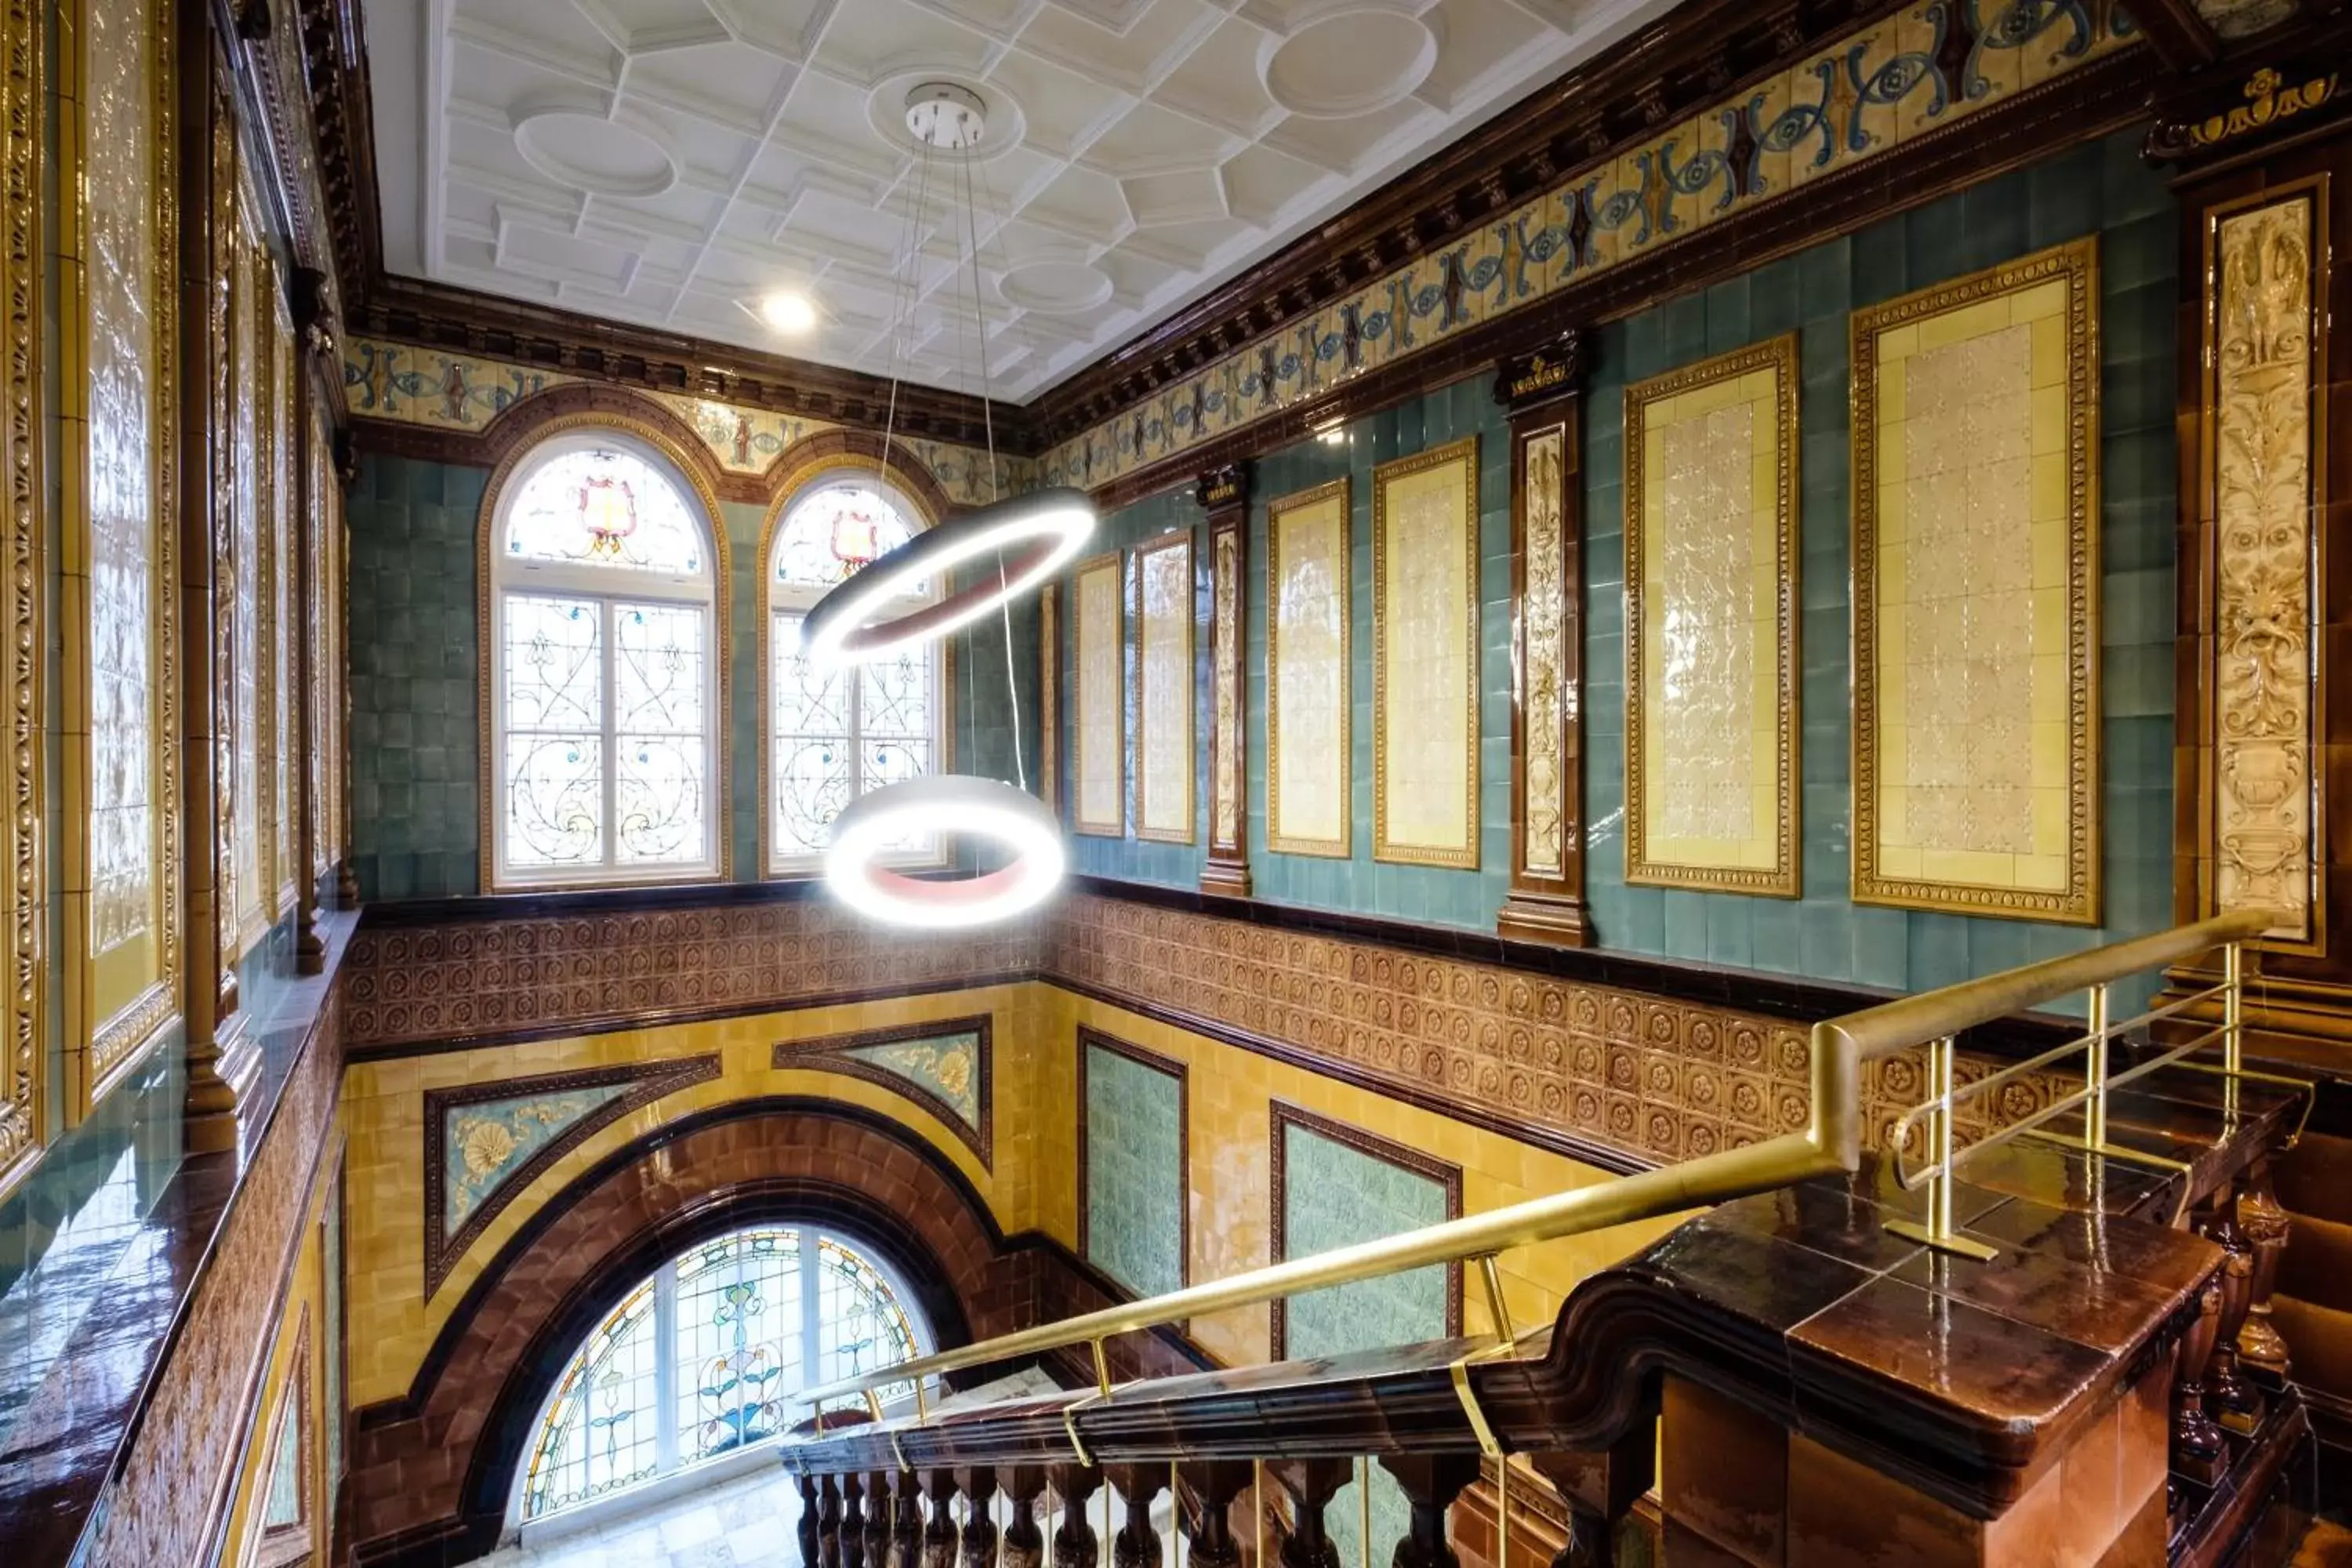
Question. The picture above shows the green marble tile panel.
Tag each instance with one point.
(1134, 1138)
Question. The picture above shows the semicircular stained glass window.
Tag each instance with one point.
(702, 1359)
(603, 506)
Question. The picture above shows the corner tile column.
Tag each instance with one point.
(1544, 391)
(2263, 746)
(1223, 494)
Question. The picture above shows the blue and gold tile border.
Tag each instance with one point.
(974, 1121)
(1903, 77)
(1282, 1116)
(645, 1082)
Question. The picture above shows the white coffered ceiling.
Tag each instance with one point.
(673, 163)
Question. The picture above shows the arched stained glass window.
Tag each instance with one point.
(603, 676)
(702, 1359)
(834, 735)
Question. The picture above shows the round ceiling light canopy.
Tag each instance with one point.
(1041, 532)
(936, 804)
(1350, 63)
(942, 115)
(590, 152)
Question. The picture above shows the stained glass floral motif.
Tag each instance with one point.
(605, 506)
(607, 697)
(702, 1359)
(834, 735)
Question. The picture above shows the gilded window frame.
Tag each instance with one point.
(1384, 849)
(2075, 262)
(1784, 879)
(1278, 842)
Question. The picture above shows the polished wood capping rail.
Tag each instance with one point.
(1807, 1301)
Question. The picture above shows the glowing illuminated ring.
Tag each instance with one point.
(943, 804)
(1059, 520)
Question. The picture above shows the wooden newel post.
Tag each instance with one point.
(1223, 494)
(1544, 391)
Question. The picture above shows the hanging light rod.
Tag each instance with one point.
(934, 806)
(1059, 520)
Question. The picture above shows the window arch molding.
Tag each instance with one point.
(837, 459)
(651, 434)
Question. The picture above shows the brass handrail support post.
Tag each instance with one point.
(1938, 1232)
(2095, 1120)
(1102, 1370)
(2233, 1024)
(1496, 1307)
(1257, 1509)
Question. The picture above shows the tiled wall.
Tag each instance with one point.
(416, 804)
(2100, 188)
(1133, 1155)
(1433, 894)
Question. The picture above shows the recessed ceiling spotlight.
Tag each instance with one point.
(788, 311)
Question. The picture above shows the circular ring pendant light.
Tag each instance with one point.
(1052, 525)
(975, 807)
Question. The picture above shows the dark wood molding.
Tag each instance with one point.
(1543, 389)
(2178, 35)
(2294, 88)
(1282, 1116)
(1224, 494)
(1092, 1040)
(829, 1053)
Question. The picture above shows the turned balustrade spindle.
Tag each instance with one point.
(979, 1485)
(1205, 1510)
(1430, 1483)
(1024, 1546)
(1312, 1484)
(1137, 1545)
(2265, 1223)
(828, 1523)
(874, 1550)
(1600, 1490)
(807, 1530)
(906, 1521)
(940, 1536)
(2199, 1450)
(2230, 1398)
(853, 1522)
(1075, 1542)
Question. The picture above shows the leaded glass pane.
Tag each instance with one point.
(831, 533)
(812, 764)
(554, 674)
(739, 1340)
(603, 1430)
(603, 506)
(860, 1324)
(659, 685)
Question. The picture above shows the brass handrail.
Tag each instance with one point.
(1831, 1144)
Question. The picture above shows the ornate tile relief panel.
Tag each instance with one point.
(1100, 775)
(1134, 1173)
(1710, 624)
(410, 385)
(1426, 657)
(120, 767)
(1901, 77)
(244, 915)
(1164, 689)
(946, 1066)
(2262, 343)
(485, 1143)
(1307, 749)
(1975, 587)
(286, 405)
(1225, 783)
(1543, 631)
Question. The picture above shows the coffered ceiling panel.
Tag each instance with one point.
(687, 165)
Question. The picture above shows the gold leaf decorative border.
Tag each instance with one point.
(723, 641)
(1276, 840)
(1111, 561)
(1466, 453)
(1144, 738)
(1782, 879)
(2076, 263)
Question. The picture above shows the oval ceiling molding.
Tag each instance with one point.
(1348, 63)
(594, 154)
(885, 112)
(1056, 287)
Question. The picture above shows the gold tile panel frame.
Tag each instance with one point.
(1276, 840)
(99, 1052)
(723, 641)
(1782, 878)
(1090, 690)
(23, 1083)
(1464, 452)
(1145, 737)
(2265, 400)
(2077, 903)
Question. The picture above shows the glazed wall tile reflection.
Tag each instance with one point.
(1308, 701)
(1975, 551)
(1919, 71)
(405, 384)
(1099, 798)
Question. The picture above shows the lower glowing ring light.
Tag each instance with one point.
(1058, 521)
(943, 804)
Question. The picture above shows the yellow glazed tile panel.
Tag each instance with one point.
(1165, 691)
(1426, 657)
(1976, 553)
(1307, 705)
(392, 1324)
(1101, 787)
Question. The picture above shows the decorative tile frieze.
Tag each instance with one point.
(946, 1066)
